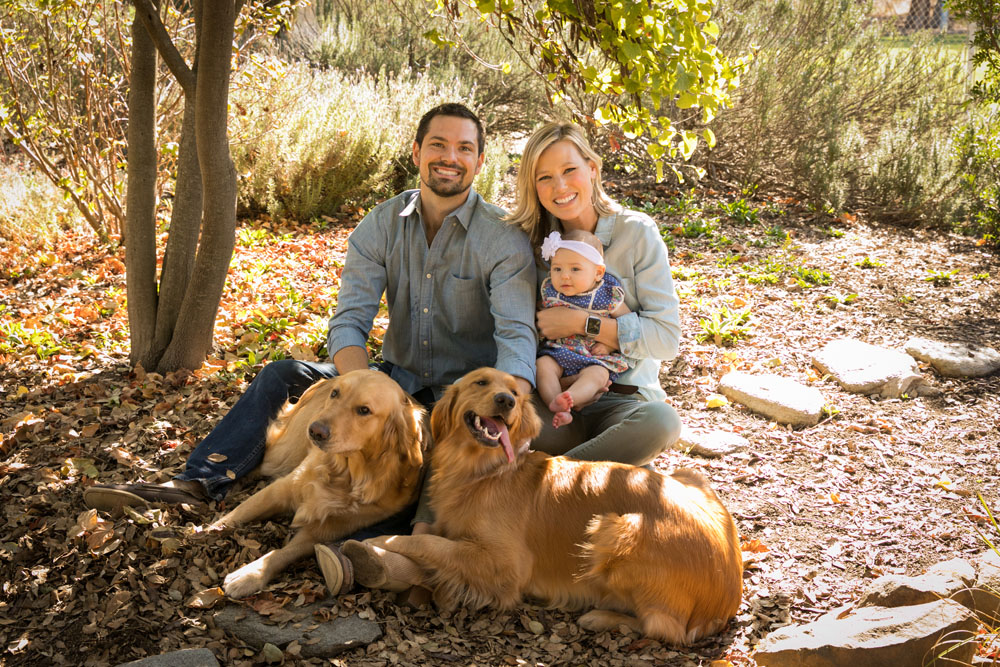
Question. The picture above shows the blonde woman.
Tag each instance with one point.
(559, 190)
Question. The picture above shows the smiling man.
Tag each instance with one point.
(460, 286)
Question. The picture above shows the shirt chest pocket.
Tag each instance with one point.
(464, 300)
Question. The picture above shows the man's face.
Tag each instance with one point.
(449, 158)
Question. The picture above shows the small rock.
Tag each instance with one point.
(775, 397)
(955, 359)
(956, 568)
(868, 369)
(189, 657)
(272, 655)
(713, 444)
(873, 637)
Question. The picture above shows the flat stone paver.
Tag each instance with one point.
(955, 360)
(781, 399)
(868, 369)
(711, 444)
(189, 657)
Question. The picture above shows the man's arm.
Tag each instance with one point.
(362, 283)
(512, 303)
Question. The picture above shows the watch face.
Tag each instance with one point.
(593, 325)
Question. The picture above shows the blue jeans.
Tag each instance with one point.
(240, 435)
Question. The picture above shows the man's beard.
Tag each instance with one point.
(446, 188)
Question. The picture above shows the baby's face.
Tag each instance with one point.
(573, 274)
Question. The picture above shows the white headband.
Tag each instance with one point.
(554, 241)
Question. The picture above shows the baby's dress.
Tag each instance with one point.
(574, 353)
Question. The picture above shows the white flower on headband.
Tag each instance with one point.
(550, 245)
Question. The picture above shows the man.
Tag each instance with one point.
(460, 286)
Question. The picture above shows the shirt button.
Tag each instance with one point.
(425, 310)
(426, 374)
(425, 343)
(428, 276)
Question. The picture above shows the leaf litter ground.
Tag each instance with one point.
(879, 486)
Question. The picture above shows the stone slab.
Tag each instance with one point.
(868, 369)
(954, 359)
(781, 399)
(318, 639)
(189, 657)
(711, 444)
(873, 637)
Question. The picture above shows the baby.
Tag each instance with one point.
(577, 279)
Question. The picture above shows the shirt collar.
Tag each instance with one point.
(463, 213)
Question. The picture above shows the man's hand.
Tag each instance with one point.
(351, 358)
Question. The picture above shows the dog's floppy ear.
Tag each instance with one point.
(531, 423)
(441, 417)
(404, 433)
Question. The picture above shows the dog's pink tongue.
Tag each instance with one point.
(505, 441)
(504, 436)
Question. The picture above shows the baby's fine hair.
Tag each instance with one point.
(586, 237)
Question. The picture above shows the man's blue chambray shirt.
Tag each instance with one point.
(466, 301)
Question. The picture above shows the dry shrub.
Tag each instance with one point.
(837, 109)
(307, 141)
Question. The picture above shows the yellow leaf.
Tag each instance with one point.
(206, 599)
(716, 401)
(230, 474)
(720, 663)
(217, 458)
(21, 391)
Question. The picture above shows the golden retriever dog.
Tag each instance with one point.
(348, 454)
(657, 553)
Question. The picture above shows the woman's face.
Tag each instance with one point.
(564, 182)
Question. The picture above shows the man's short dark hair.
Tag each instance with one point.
(451, 109)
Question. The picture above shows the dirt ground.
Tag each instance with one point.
(879, 486)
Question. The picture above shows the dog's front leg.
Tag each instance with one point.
(464, 570)
(253, 577)
(275, 498)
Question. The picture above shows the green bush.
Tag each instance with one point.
(978, 150)
(374, 36)
(306, 142)
(837, 108)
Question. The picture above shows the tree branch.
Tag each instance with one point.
(150, 18)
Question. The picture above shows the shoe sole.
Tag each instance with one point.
(369, 570)
(110, 500)
(338, 571)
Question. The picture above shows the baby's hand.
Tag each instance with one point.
(600, 349)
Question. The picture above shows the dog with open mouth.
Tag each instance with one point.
(657, 553)
(347, 455)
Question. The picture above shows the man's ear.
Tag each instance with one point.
(416, 154)
(479, 163)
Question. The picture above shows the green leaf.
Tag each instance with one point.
(709, 137)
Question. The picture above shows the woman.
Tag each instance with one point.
(559, 189)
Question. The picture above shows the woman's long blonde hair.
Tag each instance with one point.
(529, 214)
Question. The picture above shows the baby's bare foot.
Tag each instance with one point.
(561, 419)
(562, 403)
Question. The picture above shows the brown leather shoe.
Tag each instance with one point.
(338, 572)
(113, 497)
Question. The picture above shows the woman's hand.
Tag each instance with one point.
(555, 323)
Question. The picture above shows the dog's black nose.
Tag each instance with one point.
(319, 432)
(504, 400)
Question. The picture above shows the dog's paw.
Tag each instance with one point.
(245, 581)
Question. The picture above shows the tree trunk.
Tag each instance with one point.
(192, 337)
(140, 214)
